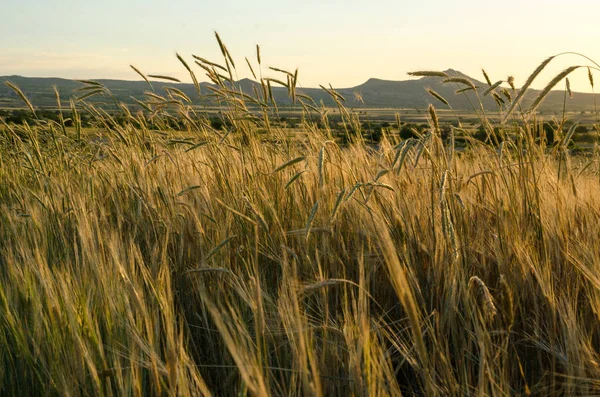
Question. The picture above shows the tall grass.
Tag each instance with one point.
(149, 261)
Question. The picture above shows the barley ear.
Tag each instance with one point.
(487, 79)
(434, 118)
(478, 287)
(251, 69)
(568, 85)
(438, 96)
(161, 77)
(525, 87)
(311, 218)
(192, 75)
(492, 87)
(21, 95)
(427, 73)
(142, 75)
(534, 105)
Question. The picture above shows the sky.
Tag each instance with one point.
(342, 43)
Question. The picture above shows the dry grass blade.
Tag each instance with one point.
(202, 270)
(507, 300)
(270, 91)
(257, 214)
(204, 62)
(404, 291)
(311, 219)
(320, 165)
(336, 206)
(221, 45)
(180, 94)
(569, 134)
(460, 80)
(155, 96)
(434, 118)
(294, 81)
(161, 77)
(402, 154)
(548, 87)
(90, 94)
(466, 89)
(525, 87)
(224, 50)
(230, 59)
(179, 141)
(187, 190)
(480, 173)
(498, 99)
(358, 97)
(511, 82)
(427, 73)
(142, 75)
(335, 95)
(281, 71)
(443, 184)
(293, 179)
(487, 79)
(422, 144)
(380, 174)
(218, 248)
(21, 95)
(251, 69)
(325, 283)
(191, 72)
(196, 146)
(438, 96)
(477, 286)
(331, 282)
(269, 79)
(60, 111)
(289, 163)
(379, 184)
(492, 87)
(91, 82)
(88, 88)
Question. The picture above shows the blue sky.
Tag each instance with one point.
(339, 42)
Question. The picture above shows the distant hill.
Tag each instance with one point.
(374, 93)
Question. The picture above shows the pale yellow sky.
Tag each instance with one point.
(339, 42)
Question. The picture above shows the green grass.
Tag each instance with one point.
(204, 262)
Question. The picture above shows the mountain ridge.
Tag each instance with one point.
(373, 93)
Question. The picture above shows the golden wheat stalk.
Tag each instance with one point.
(161, 77)
(524, 88)
(21, 95)
(534, 105)
(427, 73)
(477, 286)
(461, 80)
(438, 96)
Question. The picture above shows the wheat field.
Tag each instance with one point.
(144, 260)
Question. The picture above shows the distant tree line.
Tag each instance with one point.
(19, 117)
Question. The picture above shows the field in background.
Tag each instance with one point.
(162, 253)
